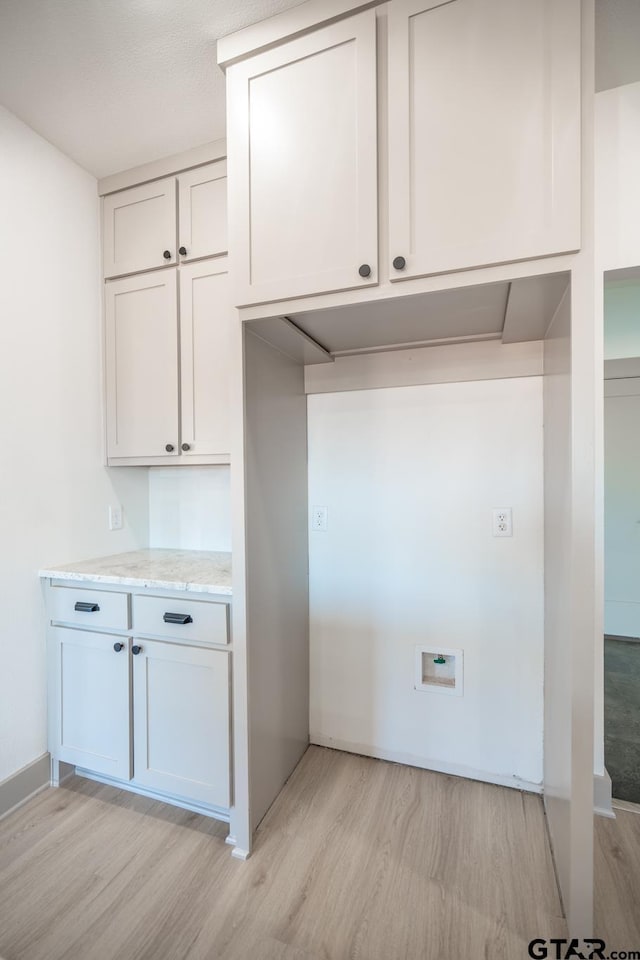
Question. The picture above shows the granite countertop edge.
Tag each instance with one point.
(89, 573)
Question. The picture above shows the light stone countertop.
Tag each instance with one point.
(197, 571)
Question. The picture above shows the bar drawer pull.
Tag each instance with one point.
(177, 618)
(82, 606)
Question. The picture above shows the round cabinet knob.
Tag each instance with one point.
(169, 448)
(399, 263)
(186, 446)
(135, 650)
(118, 647)
(364, 270)
(167, 254)
(182, 251)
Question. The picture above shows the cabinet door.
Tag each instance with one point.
(140, 228)
(202, 202)
(205, 322)
(302, 173)
(89, 709)
(484, 132)
(142, 365)
(181, 721)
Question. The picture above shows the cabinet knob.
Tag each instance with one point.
(167, 254)
(186, 446)
(135, 650)
(365, 270)
(118, 647)
(399, 263)
(169, 448)
(182, 251)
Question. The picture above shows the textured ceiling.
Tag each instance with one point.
(115, 83)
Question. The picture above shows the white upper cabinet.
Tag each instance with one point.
(141, 345)
(139, 228)
(484, 132)
(205, 327)
(202, 205)
(303, 182)
(167, 357)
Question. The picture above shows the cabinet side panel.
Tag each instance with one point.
(277, 570)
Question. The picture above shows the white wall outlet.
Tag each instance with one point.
(502, 522)
(319, 519)
(115, 517)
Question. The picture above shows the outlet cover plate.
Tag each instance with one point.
(502, 522)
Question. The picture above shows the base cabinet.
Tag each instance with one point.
(181, 721)
(89, 701)
(151, 712)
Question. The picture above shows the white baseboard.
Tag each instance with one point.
(240, 854)
(602, 806)
(24, 784)
(409, 759)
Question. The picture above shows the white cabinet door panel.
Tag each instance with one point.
(205, 330)
(202, 204)
(90, 688)
(303, 186)
(142, 365)
(484, 132)
(181, 721)
(139, 226)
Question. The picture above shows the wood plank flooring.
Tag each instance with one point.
(358, 859)
(617, 879)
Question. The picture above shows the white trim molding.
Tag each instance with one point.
(436, 766)
(24, 784)
(602, 805)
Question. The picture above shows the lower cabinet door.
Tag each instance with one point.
(90, 714)
(181, 720)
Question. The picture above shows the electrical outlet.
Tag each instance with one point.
(319, 519)
(115, 517)
(502, 522)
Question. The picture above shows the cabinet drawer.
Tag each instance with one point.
(204, 622)
(90, 608)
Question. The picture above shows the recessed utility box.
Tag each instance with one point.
(439, 669)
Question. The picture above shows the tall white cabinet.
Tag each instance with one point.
(479, 159)
(167, 320)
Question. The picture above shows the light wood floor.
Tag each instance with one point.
(358, 859)
(617, 879)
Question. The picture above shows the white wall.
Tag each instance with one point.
(190, 508)
(622, 317)
(617, 154)
(54, 489)
(622, 507)
(410, 476)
